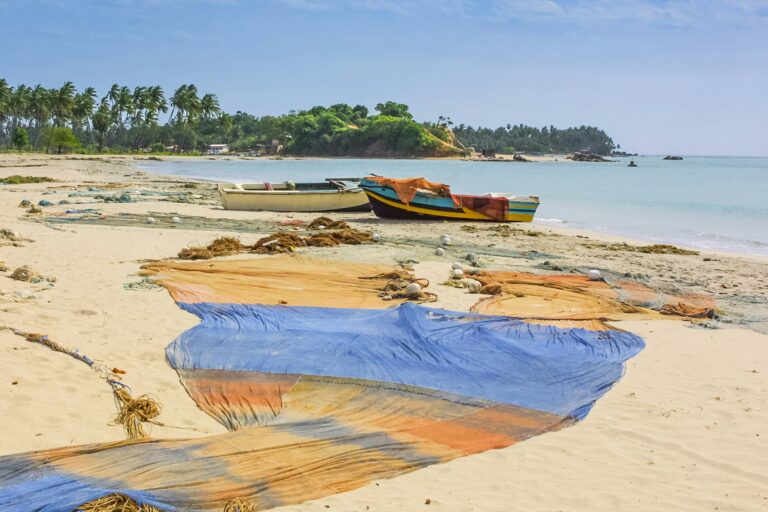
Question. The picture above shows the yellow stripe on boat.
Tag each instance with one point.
(467, 214)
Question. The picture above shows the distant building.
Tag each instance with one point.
(217, 149)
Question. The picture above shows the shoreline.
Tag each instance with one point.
(657, 441)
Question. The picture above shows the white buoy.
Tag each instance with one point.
(458, 265)
(412, 290)
(473, 285)
(151, 220)
(440, 251)
(594, 275)
(457, 273)
(376, 237)
(445, 240)
(175, 220)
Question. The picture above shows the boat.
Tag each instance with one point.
(418, 198)
(331, 195)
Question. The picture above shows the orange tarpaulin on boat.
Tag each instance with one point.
(406, 188)
(492, 207)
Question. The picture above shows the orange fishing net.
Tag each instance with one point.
(285, 279)
(576, 297)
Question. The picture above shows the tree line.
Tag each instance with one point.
(142, 118)
(124, 119)
(528, 139)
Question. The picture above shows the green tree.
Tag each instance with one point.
(393, 109)
(61, 138)
(20, 138)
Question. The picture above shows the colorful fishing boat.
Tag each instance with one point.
(417, 198)
(332, 195)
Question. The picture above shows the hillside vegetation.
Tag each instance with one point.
(129, 120)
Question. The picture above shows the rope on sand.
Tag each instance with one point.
(115, 503)
(132, 413)
(239, 505)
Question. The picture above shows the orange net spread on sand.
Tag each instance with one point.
(285, 279)
(576, 297)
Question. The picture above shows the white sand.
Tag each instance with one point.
(686, 429)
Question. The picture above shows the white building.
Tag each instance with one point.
(217, 149)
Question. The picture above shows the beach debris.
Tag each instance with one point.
(23, 273)
(19, 180)
(13, 236)
(4, 267)
(646, 249)
(175, 220)
(121, 198)
(151, 220)
(25, 203)
(280, 242)
(594, 275)
(115, 503)
(468, 228)
(240, 505)
(376, 237)
(327, 223)
(133, 413)
(35, 210)
(24, 294)
(402, 284)
(445, 240)
(144, 283)
(222, 246)
(440, 251)
(688, 310)
(44, 202)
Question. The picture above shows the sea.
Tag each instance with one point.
(702, 202)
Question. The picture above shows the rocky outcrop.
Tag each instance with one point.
(585, 156)
(670, 157)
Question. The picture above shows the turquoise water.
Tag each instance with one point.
(718, 203)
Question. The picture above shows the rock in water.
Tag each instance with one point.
(440, 251)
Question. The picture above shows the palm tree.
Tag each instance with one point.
(62, 103)
(82, 112)
(156, 103)
(209, 106)
(5, 102)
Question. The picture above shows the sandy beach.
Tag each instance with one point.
(685, 429)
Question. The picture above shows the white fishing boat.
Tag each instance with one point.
(332, 195)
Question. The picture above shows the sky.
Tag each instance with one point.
(683, 77)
